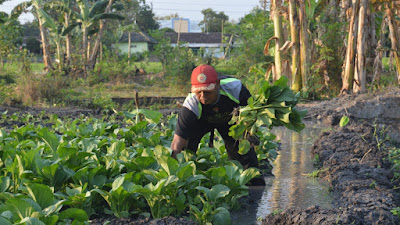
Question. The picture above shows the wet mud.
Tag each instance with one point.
(353, 159)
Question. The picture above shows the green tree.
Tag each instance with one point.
(251, 34)
(10, 37)
(212, 21)
(33, 45)
(31, 29)
(145, 17)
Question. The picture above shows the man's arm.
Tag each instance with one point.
(178, 144)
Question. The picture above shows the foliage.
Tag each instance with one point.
(273, 106)
(178, 62)
(396, 211)
(33, 45)
(344, 121)
(250, 36)
(212, 21)
(145, 17)
(32, 88)
(325, 80)
(68, 170)
(10, 37)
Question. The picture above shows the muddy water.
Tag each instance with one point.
(289, 187)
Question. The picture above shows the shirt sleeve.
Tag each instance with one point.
(186, 121)
(244, 95)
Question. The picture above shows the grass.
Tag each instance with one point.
(386, 66)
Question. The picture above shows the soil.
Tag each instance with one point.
(352, 159)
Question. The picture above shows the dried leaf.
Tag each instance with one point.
(266, 47)
(286, 47)
(271, 68)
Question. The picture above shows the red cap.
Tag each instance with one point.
(204, 78)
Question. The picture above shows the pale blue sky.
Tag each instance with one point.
(188, 9)
(235, 9)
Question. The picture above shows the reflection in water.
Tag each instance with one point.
(289, 187)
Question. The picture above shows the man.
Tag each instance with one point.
(209, 106)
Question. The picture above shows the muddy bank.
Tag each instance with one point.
(353, 160)
(361, 181)
(382, 108)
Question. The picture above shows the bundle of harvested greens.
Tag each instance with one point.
(273, 106)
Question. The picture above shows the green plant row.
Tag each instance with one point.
(66, 171)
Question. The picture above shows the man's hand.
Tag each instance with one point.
(174, 154)
(177, 145)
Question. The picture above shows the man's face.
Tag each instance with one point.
(208, 97)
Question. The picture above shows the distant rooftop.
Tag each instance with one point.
(210, 38)
(137, 37)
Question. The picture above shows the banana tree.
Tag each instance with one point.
(294, 33)
(99, 35)
(64, 7)
(394, 35)
(305, 50)
(348, 73)
(55, 31)
(277, 18)
(87, 17)
(360, 77)
(37, 7)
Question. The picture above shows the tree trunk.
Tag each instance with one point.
(84, 48)
(348, 73)
(99, 36)
(360, 73)
(305, 54)
(46, 48)
(378, 65)
(129, 48)
(67, 41)
(277, 19)
(394, 37)
(294, 33)
(2, 62)
(101, 51)
(60, 62)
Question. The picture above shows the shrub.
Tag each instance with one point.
(46, 89)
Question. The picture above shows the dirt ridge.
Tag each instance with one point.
(353, 160)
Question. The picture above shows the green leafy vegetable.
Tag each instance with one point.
(273, 106)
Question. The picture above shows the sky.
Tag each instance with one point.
(191, 9)
(187, 9)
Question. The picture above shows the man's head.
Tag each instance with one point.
(205, 84)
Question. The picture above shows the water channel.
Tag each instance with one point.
(290, 186)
